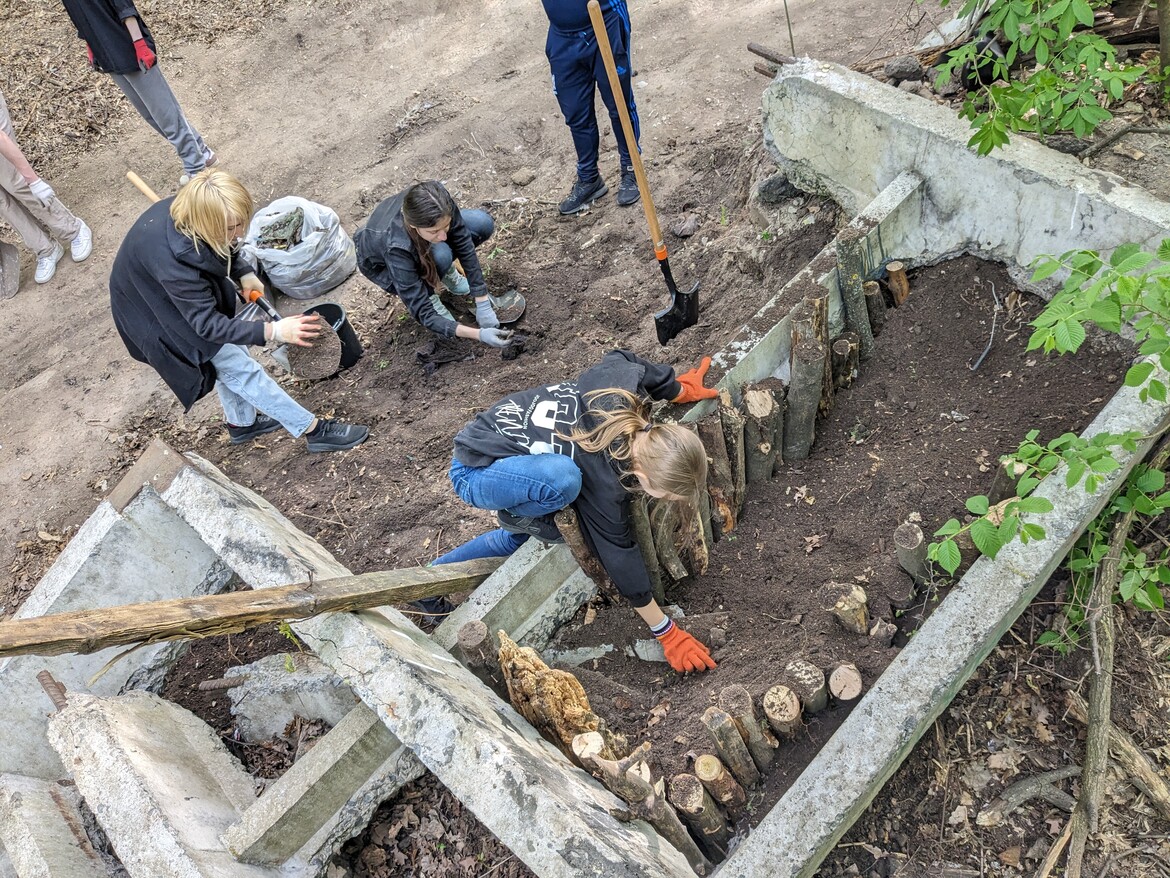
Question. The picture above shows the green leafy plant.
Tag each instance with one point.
(1075, 73)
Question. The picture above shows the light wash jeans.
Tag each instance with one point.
(245, 388)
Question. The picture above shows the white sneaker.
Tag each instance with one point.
(47, 265)
(456, 282)
(82, 245)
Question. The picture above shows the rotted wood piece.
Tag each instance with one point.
(479, 653)
(817, 297)
(733, 423)
(875, 306)
(720, 486)
(761, 743)
(552, 700)
(665, 524)
(1007, 476)
(850, 606)
(1036, 786)
(629, 779)
(808, 682)
(782, 708)
(851, 271)
(899, 283)
(717, 780)
(910, 547)
(730, 746)
(640, 519)
(700, 812)
(763, 429)
(804, 397)
(566, 520)
(845, 360)
(696, 541)
(845, 683)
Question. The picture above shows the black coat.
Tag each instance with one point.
(173, 304)
(101, 24)
(386, 255)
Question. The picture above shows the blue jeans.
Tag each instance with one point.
(529, 485)
(245, 388)
(479, 223)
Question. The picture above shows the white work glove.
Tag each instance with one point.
(485, 314)
(42, 190)
(300, 329)
(496, 338)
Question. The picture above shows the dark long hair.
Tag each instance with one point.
(425, 206)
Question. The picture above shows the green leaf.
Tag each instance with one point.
(1132, 262)
(1164, 250)
(1138, 373)
(1148, 598)
(1027, 484)
(1130, 583)
(1076, 469)
(951, 527)
(1103, 465)
(1157, 391)
(1034, 504)
(986, 537)
(1048, 267)
(977, 505)
(1069, 335)
(948, 556)
(1150, 480)
(1051, 638)
(1033, 531)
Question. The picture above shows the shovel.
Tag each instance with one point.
(683, 310)
(9, 270)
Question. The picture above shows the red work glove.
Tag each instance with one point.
(684, 652)
(692, 384)
(89, 54)
(146, 58)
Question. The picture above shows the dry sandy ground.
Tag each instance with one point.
(344, 103)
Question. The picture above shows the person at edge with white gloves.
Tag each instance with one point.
(409, 246)
(173, 297)
(29, 205)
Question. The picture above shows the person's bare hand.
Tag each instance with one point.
(300, 329)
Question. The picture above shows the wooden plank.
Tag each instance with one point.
(86, 631)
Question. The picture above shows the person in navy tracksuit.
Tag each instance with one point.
(577, 68)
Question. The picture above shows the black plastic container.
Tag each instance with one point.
(334, 315)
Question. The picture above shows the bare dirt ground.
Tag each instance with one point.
(347, 102)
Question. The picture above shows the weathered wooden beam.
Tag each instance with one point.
(87, 631)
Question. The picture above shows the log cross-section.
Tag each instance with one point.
(87, 631)
(730, 745)
(737, 701)
(724, 788)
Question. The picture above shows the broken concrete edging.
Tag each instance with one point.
(41, 830)
(843, 778)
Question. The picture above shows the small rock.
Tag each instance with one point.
(947, 87)
(649, 651)
(775, 189)
(685, 225)
(717, 637)
(524, 176)
(903, 68)
(908, 85)
(1065, 143)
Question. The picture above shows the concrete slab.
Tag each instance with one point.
(553, 816)
(41, 830)
(278, 688)
(845, 134)
(159, 781)
(851, 768)
(145, 553)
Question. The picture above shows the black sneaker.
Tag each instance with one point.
(583, 194)
(628, 192)
(333, 435)
(263, 424)
(541, 526)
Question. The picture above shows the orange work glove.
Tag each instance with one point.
(692, 384)
(684, 652)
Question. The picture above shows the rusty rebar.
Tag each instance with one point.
(53, 688)
(222, 683)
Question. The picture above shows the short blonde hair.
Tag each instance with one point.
(204, 206)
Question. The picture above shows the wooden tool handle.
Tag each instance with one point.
(619, 98)
(142, 187)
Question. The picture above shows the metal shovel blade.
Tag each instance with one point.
(682, 312)
(9, 270)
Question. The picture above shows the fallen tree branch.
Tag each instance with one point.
(1038, 786)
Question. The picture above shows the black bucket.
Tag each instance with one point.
(334, 315)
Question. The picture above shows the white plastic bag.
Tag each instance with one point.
(321, 260)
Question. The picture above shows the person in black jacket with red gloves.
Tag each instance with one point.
(118, 42)
(587, 443)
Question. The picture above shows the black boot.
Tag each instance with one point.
(628, 192)
(263, 424)
(583, 194)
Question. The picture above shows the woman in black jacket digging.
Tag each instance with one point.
(587, 443)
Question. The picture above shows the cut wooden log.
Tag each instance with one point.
(761, 743)
(808, 682)
(733, 752)
(640, 519)
(480, 654)
(566, 520)
(87, 631)
(664, 522)
(763, 429)
(720, 486)
(697, 541)
(850, 606)
(724, 788)
(845, 683)
(818, 298)
(552, 700)
(630, 780)
(845, 360)
(700, 812)
(1007, 476)
(851, 272)
(782, 708)
(804, 395)
(910, 547)
(875, 306)
(733, 426)
(899, 283)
